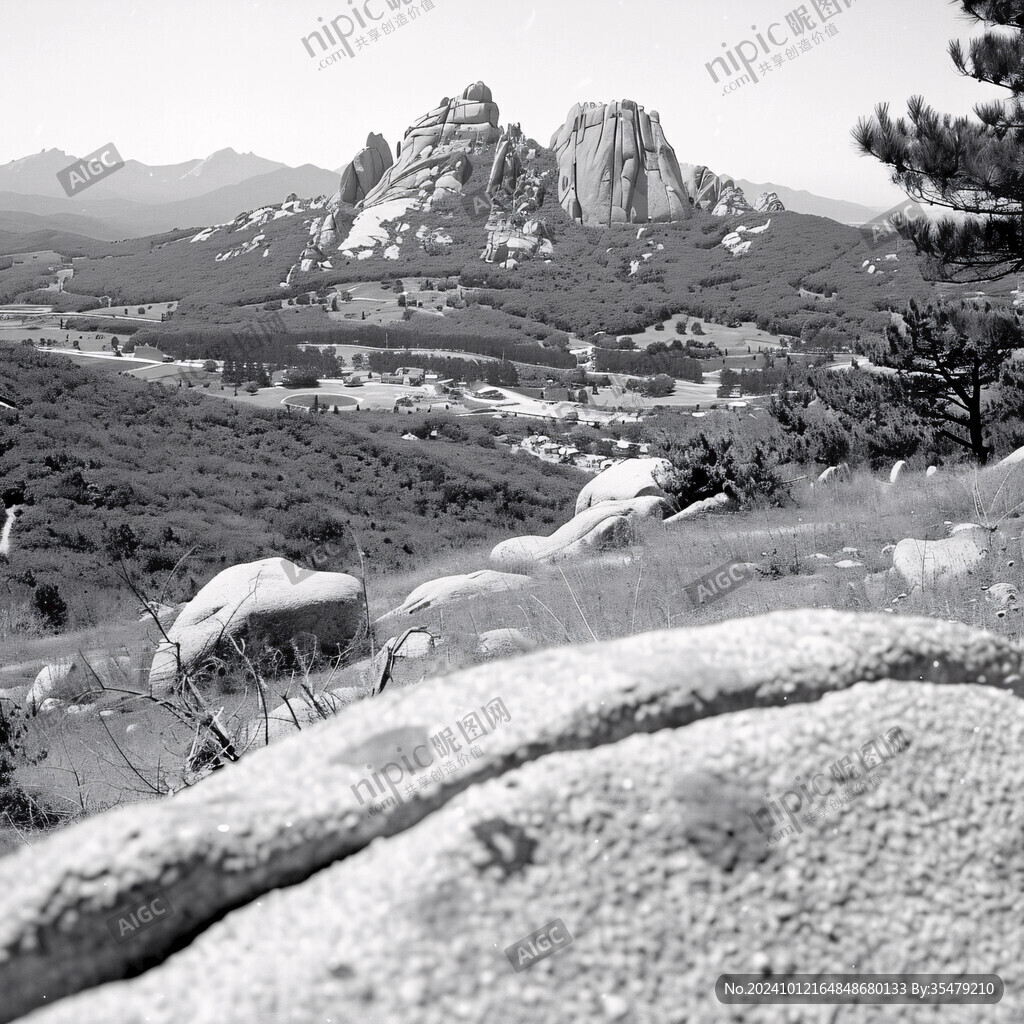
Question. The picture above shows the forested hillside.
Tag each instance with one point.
(105, 465)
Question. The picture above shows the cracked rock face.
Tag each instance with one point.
(616, 166)
(433, 151)
(624, 788)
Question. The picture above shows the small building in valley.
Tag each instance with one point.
(412, 376)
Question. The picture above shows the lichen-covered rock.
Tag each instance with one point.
(597, 528)
(634, 478)
(616, 166)
(363, 174)
(627, 776)
(273, 597)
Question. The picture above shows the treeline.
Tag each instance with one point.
(482, 345)
(250, 344)
(95, 325)
(641, 364)
(753, 382)
(264, 340)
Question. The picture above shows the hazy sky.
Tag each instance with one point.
(167, 82)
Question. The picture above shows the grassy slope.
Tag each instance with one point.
(236, 484)
(579, 601)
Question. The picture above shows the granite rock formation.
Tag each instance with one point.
(515, 194)
(599, 527)
(633, 478)
(616, 166)
(721, 196)
(434, 151)
(619, 790)
(273, 597)
(769, 202)
(731, 201)
(362, 175)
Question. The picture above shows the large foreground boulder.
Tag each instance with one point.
(616, 166)
(274, 598)
(603, 526)
(644, 791)
(931, 563)
(451, 589)
(634, 478)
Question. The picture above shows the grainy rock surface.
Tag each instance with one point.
(644, 845)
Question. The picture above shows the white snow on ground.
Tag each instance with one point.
(367, 231)
(206, 233)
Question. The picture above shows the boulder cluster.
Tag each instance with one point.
(515, 194)
(722, 197)
(607, 511)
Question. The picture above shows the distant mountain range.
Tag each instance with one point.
(141, 200)
(804, 202)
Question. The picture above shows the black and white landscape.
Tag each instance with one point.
(511, 512)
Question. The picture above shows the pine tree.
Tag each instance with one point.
(966, 166)
(949, 355)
